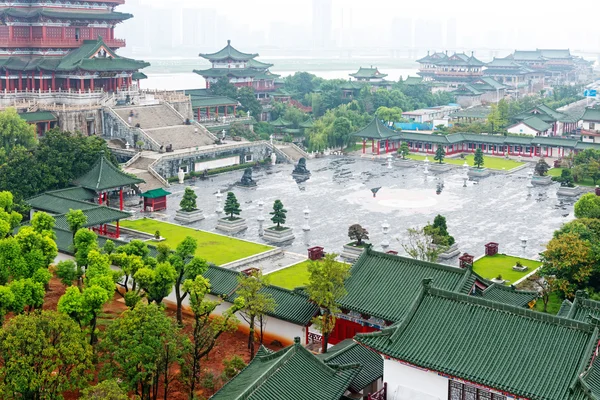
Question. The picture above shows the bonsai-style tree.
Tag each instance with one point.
(278, 213)
(440, 154)
(542, 167)
(232, 207)
(76, 220)
(357, 233)
(188, 202)
(478, 160)
(439, 232)
(403, 150)
(565, 178)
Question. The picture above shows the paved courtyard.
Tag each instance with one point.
(338, 194)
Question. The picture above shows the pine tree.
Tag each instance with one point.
(542, 167)
(278, 213)
(403, 150)
(440, 154)
(188, 202)
(232, 207)
(478, 160)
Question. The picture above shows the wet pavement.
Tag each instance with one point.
(338, 194)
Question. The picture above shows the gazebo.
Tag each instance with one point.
(104, 178)
(376, 131)
(156, 199)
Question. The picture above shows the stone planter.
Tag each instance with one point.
(160, 239)
(569, 191)
(520, 269)
(499, 281)
(478, 172)
(436, 167)
(278, 236)
(235, 226)
(351, 253)
(541, 180)
(452, 252)
(187, 217)
(404, 163)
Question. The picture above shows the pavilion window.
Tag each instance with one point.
(461, 391)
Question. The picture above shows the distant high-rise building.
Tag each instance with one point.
(451, 33)
(321, 23)
(190, 27)
(428, 34)
(208, 28)
(402, 33)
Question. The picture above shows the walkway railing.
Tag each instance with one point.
(115, 115)
(381, 394)
(132, 159)
(155, 174)
(177, 154)
(199, 126)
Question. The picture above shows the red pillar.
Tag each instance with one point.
(118, 230)
(68, 83)
(20, 81)
(386, 146)
(41, 81)
(378, 147)
(372, 146)
(53, 81)
(100, 199)
(121, 199)
(81, 86)
(364, 145)
(92, 84)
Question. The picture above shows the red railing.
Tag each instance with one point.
(26, 42)
(314, 338)
(381, 394)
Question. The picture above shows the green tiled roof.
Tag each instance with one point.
(96, 215)
(376, 130)
(258, 64)
(555, 53)
(503, 63)
(522, 55)
(280, 123)
(536, 124)
(235, 72)
(352, 85)
(350, 352)
(432, 58)
(521, 352)
(460, 59)
(57, 13)
(212, 101)
(155, 193)
(38, 116)
(556, 141)
(138, 76)
(293, 373)
(425, 137)
(475, 112)
(467, 90)
(64, 241)
(309, 123)
(486, 83)
(266, 75)
(75, 193)
(509, 295)
(58, 205)
(591, 114)
(368, 73)
(565, 308)
(104, 175)
(590, 381)
(228, 52)
(413, 80)
(84, 58)
(580, 309)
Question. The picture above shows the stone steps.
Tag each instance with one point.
(142, 163)
(181, 136)
(150, 117)
(151, 181)
(292, 153)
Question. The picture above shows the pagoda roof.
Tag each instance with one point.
(535, 123)
(366, 73)
(433, 57)
(104, 175)
(212, 101)
(555, 53)
(591, 114)
(138, 76)
(309, 123)
(487, 84)
(38, 116)
(503, 63)
(96, 215)
(348, 352)
(376, 130)
(527, 55)
(352, 85)
(581, 309)
(474, 112)
(266, 75)
(545, 113)
(228, 53)
(252, 63)
(474, 339)
(66, 14)
(235, 72)
(413, 80)
(280, 123)
(291, 373)
(467, 90)
(460, 59)
(155, 193)
(509, 295)
(508, 71)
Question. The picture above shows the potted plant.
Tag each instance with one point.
(354, 249)
(440, 238)
(232, 222)
(188, 211)
(440, 155)
(541, 173)
(278, 233)
(567, 184)
(520, 267)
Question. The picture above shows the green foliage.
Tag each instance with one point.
(140, 347)
(325, 288)
(404, 151)
(76, 220)
(238, 129)
(109, 247)
(278, 213)
(233, 366)
(43, 355)
(232, 207)
(565, 179)
(438, 231)
(393, 114)
(256, 303)
(301, 84)
(325, 133)
(43, 276)
(541, 167)
(157, 282)
(7, 298)
(440, 154)
(357, 233)
(105, 390)
(84, 242)
(588, 206)
(15, 132)
(67, 271)
(248, 101)
(478, 159)
(43, 223)
(188, 202)
(223, 87)
(419, 245)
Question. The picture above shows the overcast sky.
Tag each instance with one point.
(505, 23)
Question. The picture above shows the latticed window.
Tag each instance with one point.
(460, 391)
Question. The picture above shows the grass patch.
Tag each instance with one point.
(491, 266)
(488, 162)
(214, 248)
(354, 147)
(553, 304)
(291, 277)
(583, 182)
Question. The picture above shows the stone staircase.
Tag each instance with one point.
(291, 152)
(150, 117)
(180, 137)
(151, 181)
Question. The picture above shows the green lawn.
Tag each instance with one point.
(291, 277)
(488, 162)
(214, 248)
(491, 266)
(584, 182)
(553, 304)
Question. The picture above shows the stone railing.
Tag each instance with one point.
(280, 153)
(132, 159)
(300, 150)
(236, 265)
(154, 145)
(155, 174)
(177, 154)
(167, 95)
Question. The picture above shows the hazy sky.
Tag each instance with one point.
(548, 23)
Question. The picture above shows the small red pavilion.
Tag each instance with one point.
(155, 199)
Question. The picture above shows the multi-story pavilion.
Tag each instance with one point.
(453, 70)
(62, 46)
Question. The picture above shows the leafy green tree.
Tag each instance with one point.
(342, 129)
(206, 329)
(331, 94)
(223, 87)
(188, 202)
(478, 159)
(325, 288)
(105, 390)
(404, 150)
(43, 276)
(43, 355)
(7, 298)
(43, 223)
(157, 282)
(588, 206)
(257, 304)
(233, 366)
(387, 114)
(357, 233)
(249, 102)
(278, 213)
(140, 347)
(12, 263)
(38, 250)
(76, 220)
(232, 207)
(85, 241)
(420, 245)
(27, 294)
(440, 154)
(565, 179)
(15, 131)
(68, 271)
(438, 231)
(541, 167)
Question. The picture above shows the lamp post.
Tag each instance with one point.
(260, 218)
(306, 212)
(219, 196)
(385, 228)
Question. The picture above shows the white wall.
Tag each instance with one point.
(221, 162)
(408, 383)
(586, 125)
(521, 128)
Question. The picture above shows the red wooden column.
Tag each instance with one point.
(81, 84)
(20, 81)
(121, 199)
(378, 147)
(118, 230)
(364, 145)
(372, 145)
(92, 84)
(386, 146)
(53, 81)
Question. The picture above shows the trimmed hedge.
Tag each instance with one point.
(221, 170)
